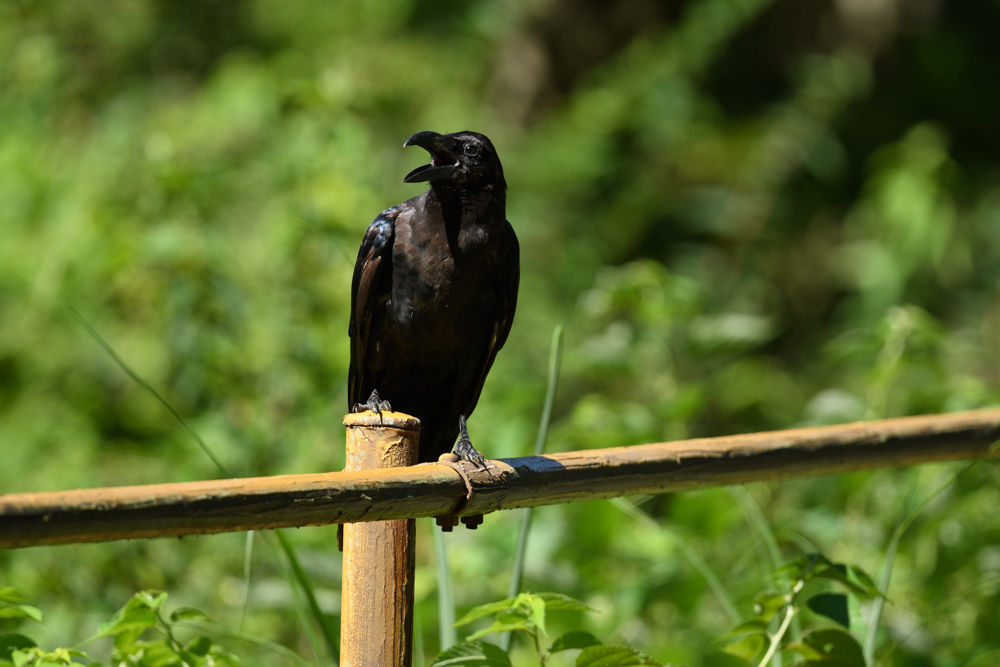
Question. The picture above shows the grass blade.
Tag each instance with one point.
(240, 636)
(555, 361)
(689, 552)
(961, 597)
(447, 634)
(296, 574)
(883, 586)
(331, 636)
(149, 388)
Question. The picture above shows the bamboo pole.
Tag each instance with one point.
(376, 622)
(162, 510)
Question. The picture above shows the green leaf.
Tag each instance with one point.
(485, 610)
(746, 640)
(804, 650)
(220, 657)
(723, 659)
(524, 612)
(536, 616)
(128, 624)
(766, 605)
(12, 642)
(472, 654)
(748, 647)
(861, 578)
(837, 648)
(135, 617)
(513, 616)
(506, 623)
(188, 614)
(799, 569)
(14, 605)
(10, 595)
(831, 605)
(199, 646)
(560, 602)
(36, 657)
(21, 611)
(747, 628)
(854, 579)
(575, 639)
(151, 598)
(157, 653)
(613, 656)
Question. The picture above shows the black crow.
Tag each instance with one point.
(434, 292)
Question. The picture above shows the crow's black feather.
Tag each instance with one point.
(434, 293)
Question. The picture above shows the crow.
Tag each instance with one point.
(434, 293)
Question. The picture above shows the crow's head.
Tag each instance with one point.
(462, 159)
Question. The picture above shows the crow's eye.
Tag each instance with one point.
(471, 150)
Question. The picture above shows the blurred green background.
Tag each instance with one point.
(749, 215)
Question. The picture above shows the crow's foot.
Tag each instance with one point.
(464, 449)
(375, 404)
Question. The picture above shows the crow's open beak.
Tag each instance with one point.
(444, 162)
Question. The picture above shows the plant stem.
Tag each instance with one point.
(777, 636)
(538, 648)
(785, 622)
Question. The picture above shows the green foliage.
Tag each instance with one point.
(757, 641)
(130, 629)
(749, 215)
(754, 642)
(13, 605)
(526, 613)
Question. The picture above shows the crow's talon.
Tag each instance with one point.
(466, 452)
(374, 404)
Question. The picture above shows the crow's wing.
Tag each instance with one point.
(509, 279)
(373, 260)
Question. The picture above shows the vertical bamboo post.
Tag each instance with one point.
(376, 623)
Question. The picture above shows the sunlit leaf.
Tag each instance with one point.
(536, 616)
(199, 646)
(157, 653)
(613, 656)
(840, 573)
(138, 614)
(21, 611)
(837, 648)
(560, 602)
(766, 605)
(804, 650)
(747, 628)
(485, 610)
(10, 595)
(188, 614)
(152, 599)
(748, 647)
(472, 654)
(572, 640)
(507, 624)
(136, 618)
(723, 659)
(861, 579)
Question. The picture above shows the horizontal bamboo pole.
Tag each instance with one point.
(191, 508)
